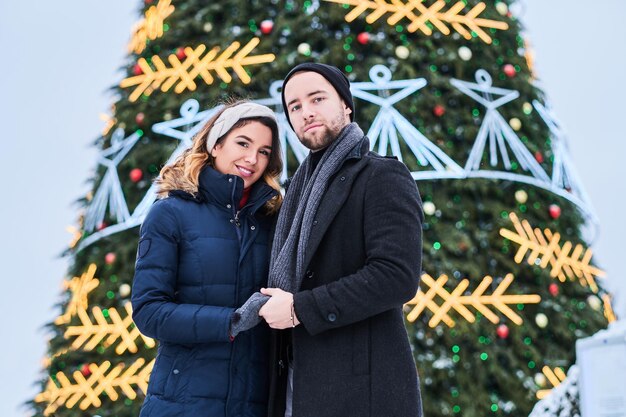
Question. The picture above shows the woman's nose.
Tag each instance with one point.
(251, 156)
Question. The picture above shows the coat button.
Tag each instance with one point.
(230, 180)
(252, 227)
(314, 222)
(175, 371)
(342, 178)
(309, 274)
(232, 220)
(228, 206)
(332, 317)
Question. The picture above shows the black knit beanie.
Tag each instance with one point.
(334, 76)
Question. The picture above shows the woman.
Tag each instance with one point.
(203, 251)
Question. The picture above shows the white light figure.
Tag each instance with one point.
(109, 191)
(496, 129)
(288, 138)
(190, 123)
(563, 174)
(565, 181)
(389, 122)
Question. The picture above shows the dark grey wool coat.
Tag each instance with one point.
(351, 353)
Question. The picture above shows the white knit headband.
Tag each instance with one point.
(232, 115)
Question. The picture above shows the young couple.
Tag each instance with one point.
(345, 257)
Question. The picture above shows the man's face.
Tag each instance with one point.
(315, 110)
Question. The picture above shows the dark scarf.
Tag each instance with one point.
(294, 224)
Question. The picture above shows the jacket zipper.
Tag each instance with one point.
(237, 223)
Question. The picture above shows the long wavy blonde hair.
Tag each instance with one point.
(183, 173)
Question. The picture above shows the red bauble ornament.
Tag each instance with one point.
(139, 118)
(554, 289)
(136, 175)
(539, 157)
(266, 27)
(509, 70)
(109, 258)
(363, 38)
(85, 370)
(439, 110)
(555, 211)
(180, 53)
(137, 69)
(502, 331)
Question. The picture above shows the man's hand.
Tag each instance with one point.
(278, 311)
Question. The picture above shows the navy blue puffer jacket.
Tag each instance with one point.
(199, 259)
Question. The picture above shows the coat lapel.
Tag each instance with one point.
(334, 198)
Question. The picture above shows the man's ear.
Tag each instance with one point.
(347, 110)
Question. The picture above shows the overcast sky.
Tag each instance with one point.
(59, 59)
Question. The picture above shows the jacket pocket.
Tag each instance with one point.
(361, 348)
(170, 368)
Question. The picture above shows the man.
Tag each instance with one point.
(346, 257)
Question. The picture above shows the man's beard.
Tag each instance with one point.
(325, 135)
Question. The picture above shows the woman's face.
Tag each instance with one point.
(245, 152)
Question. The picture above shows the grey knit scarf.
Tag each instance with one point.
(294, 225)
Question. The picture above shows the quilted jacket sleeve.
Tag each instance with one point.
(155, 310)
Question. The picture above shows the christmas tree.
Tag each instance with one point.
(508, 282)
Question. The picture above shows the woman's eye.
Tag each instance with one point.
(266, 153)
(294, 108)
(244, 144)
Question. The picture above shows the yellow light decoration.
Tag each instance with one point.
(556, 376)
(565, 262)
(184, 73)
(89, 335)
(455, 300)
(76, 235)
(530, 59)
(47, 361)
(109, 122)
(151, 27)
(80, 287)
(608, 309)
(420, 15)
(88, 390)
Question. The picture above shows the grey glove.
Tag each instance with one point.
(247, 316)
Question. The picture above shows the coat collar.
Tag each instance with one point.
(360, 149)
(226, 189)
